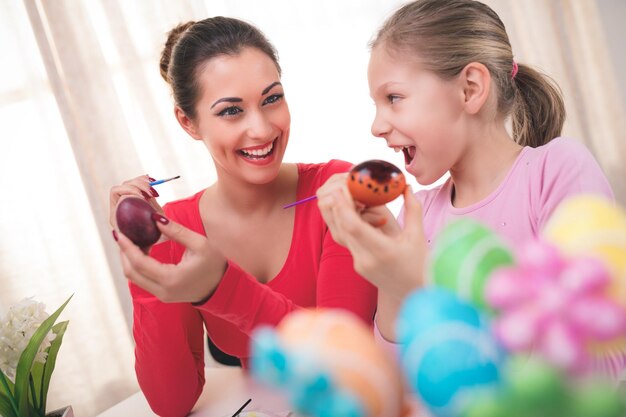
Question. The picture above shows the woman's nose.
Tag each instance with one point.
(259, 125)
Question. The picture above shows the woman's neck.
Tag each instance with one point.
(484, 166)
(248, 199)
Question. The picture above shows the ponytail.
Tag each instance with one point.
(538, 111)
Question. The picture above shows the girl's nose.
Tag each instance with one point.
(380, 127)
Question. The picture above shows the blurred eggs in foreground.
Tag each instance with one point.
(329, 364)
(448, 352)
(588, 225)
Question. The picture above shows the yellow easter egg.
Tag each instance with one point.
(589, 225)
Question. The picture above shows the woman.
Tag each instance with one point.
(235, 258)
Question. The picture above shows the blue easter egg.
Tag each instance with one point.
(448, 352)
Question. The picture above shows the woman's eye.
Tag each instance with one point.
(230, 111)
(273, 99)
(393, 98)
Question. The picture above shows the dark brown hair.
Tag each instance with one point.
(191, 45)
(449, 34)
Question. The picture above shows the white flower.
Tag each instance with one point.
(17, 327)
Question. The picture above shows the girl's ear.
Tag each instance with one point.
(186, 123)
(476, 81)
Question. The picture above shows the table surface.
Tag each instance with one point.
(225, 391)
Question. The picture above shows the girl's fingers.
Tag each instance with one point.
(358, 233)
(413, 222)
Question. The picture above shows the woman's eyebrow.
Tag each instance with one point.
(269, 87)
(227, 99)
(238, 100)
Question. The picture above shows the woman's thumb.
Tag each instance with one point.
(178, 233)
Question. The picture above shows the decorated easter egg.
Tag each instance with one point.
(464, 256)
(558, 308)
(593, 226)
(329, 364)
(532, 388)
(448, 353)
(375, 182)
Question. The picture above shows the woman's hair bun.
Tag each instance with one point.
(172, 38)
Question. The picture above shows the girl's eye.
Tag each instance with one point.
(273, 99)
(230, 111)
(392, 98)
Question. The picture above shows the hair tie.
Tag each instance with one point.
(514, 70)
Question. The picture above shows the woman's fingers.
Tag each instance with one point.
(137, 187)
(140, 262)
(178, 233)
(131, 274)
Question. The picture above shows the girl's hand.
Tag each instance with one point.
(379, 217)
(193, 279)
(389, 257)
(138, 187)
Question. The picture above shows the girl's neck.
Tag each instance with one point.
(484, 166)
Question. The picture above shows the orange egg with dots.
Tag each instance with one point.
(376, 182)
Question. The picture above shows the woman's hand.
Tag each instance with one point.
(193, 279)
(138, 187)
(389, 257)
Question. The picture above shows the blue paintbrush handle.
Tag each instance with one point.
(157, 182)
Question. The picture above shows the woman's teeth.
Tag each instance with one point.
(258, 153)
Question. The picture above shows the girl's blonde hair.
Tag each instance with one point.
(449, 34)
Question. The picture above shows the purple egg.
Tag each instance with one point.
(134, 220)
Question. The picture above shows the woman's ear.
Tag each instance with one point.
(186, 123)
(476, 81)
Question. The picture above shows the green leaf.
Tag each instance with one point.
(5, 406)
(59, 330)
(6, 389)
(42, 373)
(36, 373)
(27, 358)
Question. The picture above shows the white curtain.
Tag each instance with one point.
(82, 107)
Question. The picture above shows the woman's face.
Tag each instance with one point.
(418, 113)
(242, 115)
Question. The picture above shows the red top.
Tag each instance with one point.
(169, 337)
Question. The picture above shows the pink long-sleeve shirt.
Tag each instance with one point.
(519, 208)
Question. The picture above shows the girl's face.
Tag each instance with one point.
(417, 113)
(242, 115)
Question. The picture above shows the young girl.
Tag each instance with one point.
(236, 259)
(444, 81)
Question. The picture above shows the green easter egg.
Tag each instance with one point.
(536, 386)
(465, 255)
(489, 408)
(598, 400)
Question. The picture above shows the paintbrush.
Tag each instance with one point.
(157, 182)
(304, 200)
